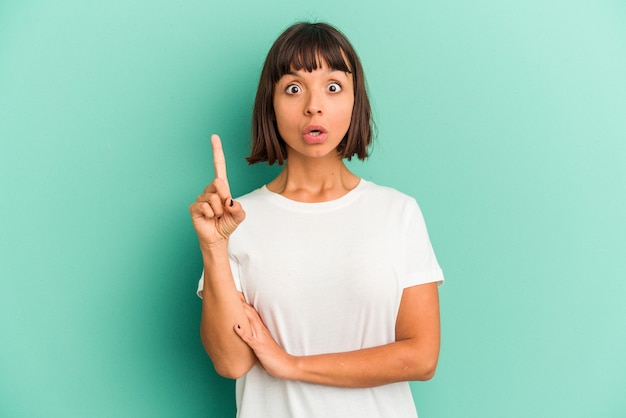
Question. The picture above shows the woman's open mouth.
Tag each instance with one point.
(315, 134)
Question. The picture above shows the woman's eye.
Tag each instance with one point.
(334, 87)
(292, 89)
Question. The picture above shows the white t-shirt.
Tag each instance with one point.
(328, 277)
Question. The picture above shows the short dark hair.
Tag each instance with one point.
(305, 45)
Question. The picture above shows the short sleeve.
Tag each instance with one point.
(419, 260)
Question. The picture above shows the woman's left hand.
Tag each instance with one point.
(272, 357)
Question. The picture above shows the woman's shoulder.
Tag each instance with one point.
(398, 207)
(377, 191)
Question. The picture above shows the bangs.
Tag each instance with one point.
(308, 50)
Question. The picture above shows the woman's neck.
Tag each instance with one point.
(315, 180)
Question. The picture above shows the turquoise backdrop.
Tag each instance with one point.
(506, 120)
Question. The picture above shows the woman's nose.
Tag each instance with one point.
(314, 104)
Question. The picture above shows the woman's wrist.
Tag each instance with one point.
(293, 370)
(214, 250)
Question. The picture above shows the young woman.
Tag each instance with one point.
(321, 297)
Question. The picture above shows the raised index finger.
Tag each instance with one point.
(219, 161)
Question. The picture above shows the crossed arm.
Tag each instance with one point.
(236, 338)
(413, 356)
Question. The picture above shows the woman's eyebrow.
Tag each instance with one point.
(327, 71)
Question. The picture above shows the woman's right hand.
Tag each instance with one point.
(215, 215)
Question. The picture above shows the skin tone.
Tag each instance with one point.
(215, 215)
(313, 111)
(321, 100)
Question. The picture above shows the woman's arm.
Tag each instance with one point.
(221, 302)
(413, 356)
(215, 217)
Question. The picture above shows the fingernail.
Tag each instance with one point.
(231, 204)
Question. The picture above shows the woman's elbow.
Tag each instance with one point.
(426, 373)
(231, 363)
(430, 367)
(232, 367)
(231, 371)
(423, 368)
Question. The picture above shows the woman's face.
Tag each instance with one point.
(313, 110)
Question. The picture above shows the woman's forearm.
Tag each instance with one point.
(405, 360)
(221, 308)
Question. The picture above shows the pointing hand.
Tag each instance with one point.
(215, 215)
